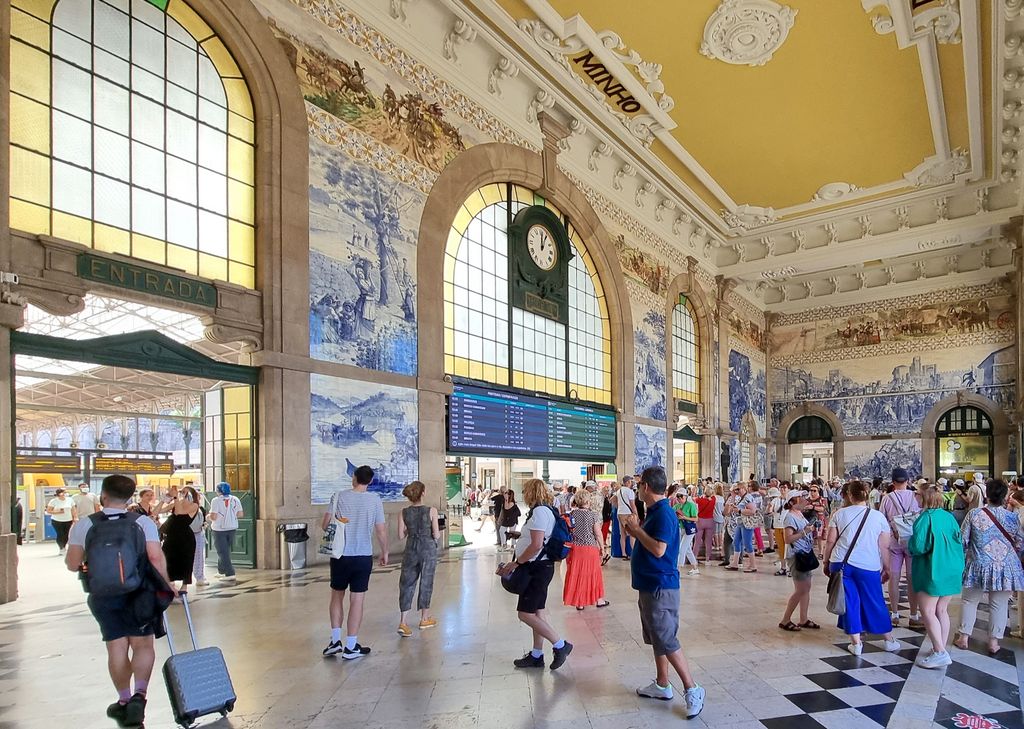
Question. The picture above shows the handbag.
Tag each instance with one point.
(903, 523)
(1001, 528)
(805, 561)
(332, 542)
(517, 581)
(836, 603)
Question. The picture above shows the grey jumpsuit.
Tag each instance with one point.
(419, 560)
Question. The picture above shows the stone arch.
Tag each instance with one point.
(783, 456)
(1001, 429)
(472, 169)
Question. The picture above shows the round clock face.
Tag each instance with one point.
(542, 247)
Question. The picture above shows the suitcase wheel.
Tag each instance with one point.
(230, 706)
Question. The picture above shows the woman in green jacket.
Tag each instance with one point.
(937, 570)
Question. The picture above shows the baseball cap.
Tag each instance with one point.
(774, 491)
(591, 484)
(979, 476)
(958, 482)
(900, 475)
(942, 481)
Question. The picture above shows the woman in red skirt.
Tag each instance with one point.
(584, 584)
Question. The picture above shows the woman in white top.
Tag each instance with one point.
(864, 568)
(63, 513)
(624, 502)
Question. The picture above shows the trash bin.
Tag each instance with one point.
(293, 545)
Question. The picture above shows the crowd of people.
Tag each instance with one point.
(860, 535)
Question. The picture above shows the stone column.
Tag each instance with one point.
(724, 309)
(11, 317)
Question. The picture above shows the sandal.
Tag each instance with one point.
(811, 625)
(749, 571)
(790, 626)
(603, 604)
(733, 569)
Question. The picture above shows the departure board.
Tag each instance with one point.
(489, 421)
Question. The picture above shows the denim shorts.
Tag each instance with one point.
(744, 540)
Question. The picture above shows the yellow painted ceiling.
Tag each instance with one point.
(836, 103)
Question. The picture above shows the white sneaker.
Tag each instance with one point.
(855, 648)
(892, 645)
(654, 691)
(694, 701)
(894, 618)
(202, 583)
(935, 659)
(693, 572)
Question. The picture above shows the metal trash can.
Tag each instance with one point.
(293, 545)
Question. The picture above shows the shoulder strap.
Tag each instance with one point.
(867, 513)
(1000, 527)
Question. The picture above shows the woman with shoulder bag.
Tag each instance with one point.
(199, 530)
(938, 566)
(993, 541)
(858, 537)
(798, 535)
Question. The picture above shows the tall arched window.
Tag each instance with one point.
(132, 132)
(685, 352)
(488, 339)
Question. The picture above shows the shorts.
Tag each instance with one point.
(796, 574)
(659, 618)
(744, 539)
(117, 619)
(534, 596)
(351, 573)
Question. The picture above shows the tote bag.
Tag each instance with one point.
(836, 602)
(332, 543)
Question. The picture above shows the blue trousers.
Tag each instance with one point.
(866, 609)
(616, 543)
(223, 543)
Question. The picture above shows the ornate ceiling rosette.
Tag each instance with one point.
(747, 32)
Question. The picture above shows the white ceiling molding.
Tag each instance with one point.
(748, 216)
(834, 191)
(747, 32)
(938, 170)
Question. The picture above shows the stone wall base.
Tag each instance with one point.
(8, 568)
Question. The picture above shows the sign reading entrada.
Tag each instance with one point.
(146, 280)
(603, 79)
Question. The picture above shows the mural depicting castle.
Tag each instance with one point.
(894, 393)
(649, 396)
(747, 391)
(881, 324)
(354, 423)
(867, 459)
(362, 289)
(649, 447)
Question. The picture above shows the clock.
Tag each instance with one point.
(541, 247)
(539, 255)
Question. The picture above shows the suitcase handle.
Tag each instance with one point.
(188, 620)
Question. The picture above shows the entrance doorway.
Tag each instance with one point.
(811, 449)
(166, 411)
(964, 443)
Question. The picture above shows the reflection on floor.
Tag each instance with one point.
(272, 627)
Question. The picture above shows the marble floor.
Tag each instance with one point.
(272, 628)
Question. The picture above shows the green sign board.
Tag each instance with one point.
(148, 280)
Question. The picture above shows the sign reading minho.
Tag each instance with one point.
(147, 280)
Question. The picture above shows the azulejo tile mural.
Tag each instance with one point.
(867, 459)
(649, 447)
(747, 391)
(354, 423)
(362, 289)
(649, 396)
(893, 394)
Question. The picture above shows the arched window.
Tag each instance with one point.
(685, 352)
(132, 133)
(489, 339)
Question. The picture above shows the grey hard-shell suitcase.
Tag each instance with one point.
(197, 681)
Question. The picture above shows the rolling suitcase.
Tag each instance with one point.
(197, 681)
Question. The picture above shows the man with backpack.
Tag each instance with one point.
(116, 552)
(546, 539)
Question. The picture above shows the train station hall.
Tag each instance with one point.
(511, 364)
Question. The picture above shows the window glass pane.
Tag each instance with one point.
(181, 224)
(72, 140)
(72, 90)
(213, 146)
(147, 167)
(111, 67)
(181, 100)
(182, 66)
(74, 16)
(147, 84)
(147, 121)
(147, 48)
(213, 115)
(213, 233)
(112, 202)
(112, 30)
(148, 13)
(181, 136)
(72, 191)
(72, 48)
(213, 191)
(111, 105)
(210, 85)
(181, 180)
(148, 213)
(112, 153)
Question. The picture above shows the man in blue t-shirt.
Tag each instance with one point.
(656, 578)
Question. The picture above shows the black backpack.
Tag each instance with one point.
(115, 554)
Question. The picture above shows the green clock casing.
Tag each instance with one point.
(539, 254)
